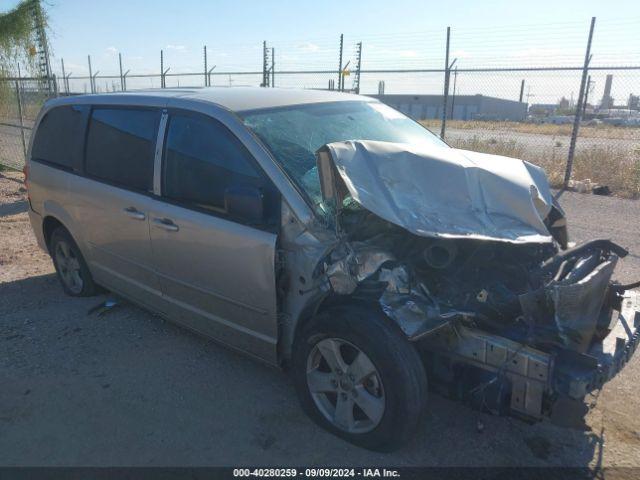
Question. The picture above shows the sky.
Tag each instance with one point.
(405, 34)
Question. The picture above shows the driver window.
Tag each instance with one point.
(203, 159)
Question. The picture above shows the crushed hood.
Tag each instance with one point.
(443, 192)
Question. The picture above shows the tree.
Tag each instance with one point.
(21, 37)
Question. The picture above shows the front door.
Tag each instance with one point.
(216, 271)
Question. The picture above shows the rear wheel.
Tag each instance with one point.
(70, 266)
(358, 376)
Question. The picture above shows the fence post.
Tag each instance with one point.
(90, 74)
(206, 83)
(453, 96)
(163, 72)
(446, 88)
(161, 69)
(66, 82)
(121, 77)
(93, 80)
(578, 116)
(64, 77)
(21, 119)
(340, 62)
(273, 67)
(358, 69)
(265, 78)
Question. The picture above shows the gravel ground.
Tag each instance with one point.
(127, 388)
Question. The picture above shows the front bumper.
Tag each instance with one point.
(535, 379)
(578, 374)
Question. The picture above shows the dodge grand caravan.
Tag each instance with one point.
(329, 234)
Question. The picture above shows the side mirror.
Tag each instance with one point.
(245, 202)
(331, 185)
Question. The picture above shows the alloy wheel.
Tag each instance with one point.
(345, 385)
(69, 267)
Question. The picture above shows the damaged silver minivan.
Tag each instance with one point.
(331, 235)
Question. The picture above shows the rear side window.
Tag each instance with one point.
(202, 160)
(121, 145)
(59, 137)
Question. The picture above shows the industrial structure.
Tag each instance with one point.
(607, 101)
(459, 107)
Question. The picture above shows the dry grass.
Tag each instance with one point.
(603, 165)
(586, 131)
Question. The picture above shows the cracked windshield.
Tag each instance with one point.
(294, 133)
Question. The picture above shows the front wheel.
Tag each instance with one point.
(358, 376)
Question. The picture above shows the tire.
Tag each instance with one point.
(347, 401)
(71, 268)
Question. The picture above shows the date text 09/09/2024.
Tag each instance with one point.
(316, 472)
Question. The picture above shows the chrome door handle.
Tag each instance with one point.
(166, 224)
(133, 212)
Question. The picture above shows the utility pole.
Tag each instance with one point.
(576, 120)
(529, 94)
(340, 61)
(521, 90)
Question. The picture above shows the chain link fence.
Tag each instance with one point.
(14, 125)
(607, 150)
(524, 112)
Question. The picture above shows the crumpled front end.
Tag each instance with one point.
(444, 192)
(507, 318)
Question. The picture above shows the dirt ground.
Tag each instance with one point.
(127, 388)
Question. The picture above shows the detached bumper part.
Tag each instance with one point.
(578, 374)
(528, 371)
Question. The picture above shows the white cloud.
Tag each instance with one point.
(176, 47)
(111, 50)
